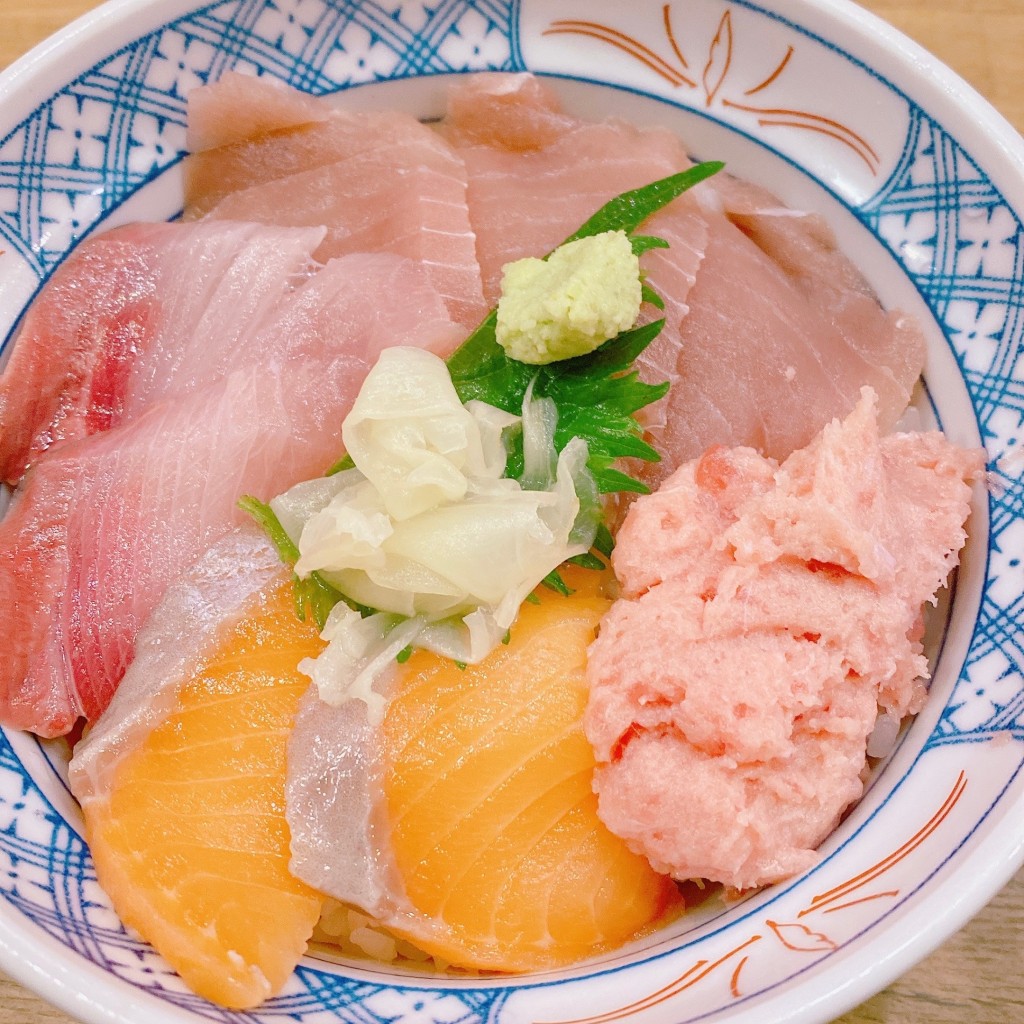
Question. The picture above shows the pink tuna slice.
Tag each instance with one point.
(269, 156)
(781, 334)
(135, 314)
(530, 187)
(335, 311)
(101, 527)
(887, 347)
(239, 106)
(504, 111)
(768, 612)
(404, 194)
(779, 331)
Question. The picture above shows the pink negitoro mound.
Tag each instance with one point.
(769, 614)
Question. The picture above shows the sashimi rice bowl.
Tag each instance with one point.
(512, 511)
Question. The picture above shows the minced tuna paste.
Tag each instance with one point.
(769, 614)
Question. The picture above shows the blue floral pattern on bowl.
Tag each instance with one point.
(104, 135)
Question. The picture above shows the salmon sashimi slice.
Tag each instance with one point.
(405, 194)
(479, 814)
(190, 618)
(136, 314)
(184, 813)
(239, 106)
(99, 528)
(493, 819)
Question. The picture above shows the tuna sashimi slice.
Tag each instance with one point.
(345, 308)
(239, 106)
(526, 203)
(536, 174)
(766, 355)
(102, 526)
(215, 173)
(135, 314)
(405, 195)
(887, 348)
(770, 331)
(505, 111)
(768, 612)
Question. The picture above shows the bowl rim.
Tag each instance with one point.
(44, 965)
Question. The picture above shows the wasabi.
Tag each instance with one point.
(567, 305)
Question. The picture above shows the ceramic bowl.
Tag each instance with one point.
(924, 185)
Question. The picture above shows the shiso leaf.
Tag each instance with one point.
(597, 394)
(644, 243)
(626, 212)
(313, 595)
(345, 462)
(648, 294)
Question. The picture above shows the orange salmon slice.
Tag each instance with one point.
(492, 815)
(191, 841)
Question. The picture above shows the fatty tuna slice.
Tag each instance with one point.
(770, 331)
(213, 174)
(536, 174)
(346, 308)
(100, 528)
(135, 314)
(402, 195)
(515, 112)
(526, 203)
(771, 350)
(239, 106)
(888, 348)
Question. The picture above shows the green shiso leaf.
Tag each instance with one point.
(604, 542)
(598, 394)
(628, 211)
(644, 243)
(345, 462)
(588, 561)
(314, 595)
(266, 517)
(553, 581)
(648, 294)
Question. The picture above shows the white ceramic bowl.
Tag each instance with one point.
(924, 184)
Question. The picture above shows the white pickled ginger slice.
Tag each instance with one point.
(426, 527)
